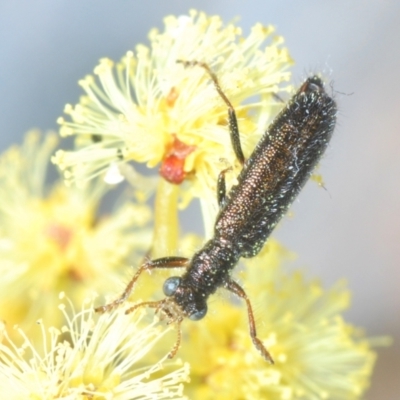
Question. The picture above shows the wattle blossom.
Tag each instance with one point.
(151, 109)
(52, 238)
(92, 357)
(317, 354)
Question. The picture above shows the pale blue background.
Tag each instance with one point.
(351, 230)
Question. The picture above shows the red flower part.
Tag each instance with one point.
(172, 166)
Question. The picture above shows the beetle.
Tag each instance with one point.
(269, 181)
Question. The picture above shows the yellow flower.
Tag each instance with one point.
(91, 358)
(52, 240)
(151, 109)
(317, 354)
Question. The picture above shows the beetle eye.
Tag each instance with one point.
(199, 314)
(170, 285)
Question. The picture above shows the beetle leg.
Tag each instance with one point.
(233, 124)
(235, 288)
(165, 262)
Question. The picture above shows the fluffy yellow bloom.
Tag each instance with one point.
(317, 354)
(90, 358)
(151, 109)
(52, 240)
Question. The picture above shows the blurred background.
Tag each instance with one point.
(350, 230)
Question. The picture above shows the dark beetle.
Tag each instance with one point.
(269, 182)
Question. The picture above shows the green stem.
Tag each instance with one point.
(166, 223)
